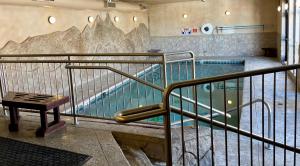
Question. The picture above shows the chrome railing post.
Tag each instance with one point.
(71, 87)
(194, 88)
(165, 79)
(193, 65)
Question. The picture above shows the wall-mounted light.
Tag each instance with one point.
(227, 13)
(279, 8)
(51, 19)
(229, 102)
(286, 6)
(117, 19)
(91, 19)
(185, 16)
(135, 18)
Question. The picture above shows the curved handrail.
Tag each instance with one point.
(236, 130)
(266, 104)
(193, 58)
(140, 113)
(191, 53)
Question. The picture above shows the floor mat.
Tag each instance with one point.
(17, 153)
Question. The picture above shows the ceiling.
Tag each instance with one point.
(153, 2)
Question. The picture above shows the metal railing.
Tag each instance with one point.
(86, 78)
(266, 104)
(238, 142)
(41, 73)
(133, 80)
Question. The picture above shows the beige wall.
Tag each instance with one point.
(20, 22)
(167, 20)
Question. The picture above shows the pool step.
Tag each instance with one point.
(111, 149)
(136, 156)
(141, 149)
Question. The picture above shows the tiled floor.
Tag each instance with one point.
(90, 137)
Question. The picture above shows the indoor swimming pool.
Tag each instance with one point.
(131, 94)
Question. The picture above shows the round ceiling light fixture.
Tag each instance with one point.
(91, 19)
(51, 19)
(185, 16)
(117, 19)
(135, 18)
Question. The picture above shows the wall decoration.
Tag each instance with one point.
(186, 31)
(207, 29)
(99, 37)
(195, 30)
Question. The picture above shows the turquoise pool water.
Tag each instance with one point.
(130, 94)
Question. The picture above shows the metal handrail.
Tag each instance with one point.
(191, 83)
(169, 108)
(85, 61)
(236, 130)
(116, 71)
(140, 113)
(146, 83)
(240, 107)
(220, 78)
(82, 55)
(121, 118)
(164, 61)
(193, 58)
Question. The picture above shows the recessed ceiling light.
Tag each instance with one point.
(51, 19)
(117, 19)
(91, 19)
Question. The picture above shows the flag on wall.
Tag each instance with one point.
(195, 30)
(186, 31)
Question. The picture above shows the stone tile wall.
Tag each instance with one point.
(244, 44)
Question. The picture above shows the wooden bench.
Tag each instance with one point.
(41, 102)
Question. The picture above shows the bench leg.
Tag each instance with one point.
(14, 120)
(56, 114)
(44, 124)
(47, 128)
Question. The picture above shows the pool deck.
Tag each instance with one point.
(245, 157)
(94, 137)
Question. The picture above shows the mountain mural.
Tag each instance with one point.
(52, 78)
(102, 37)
